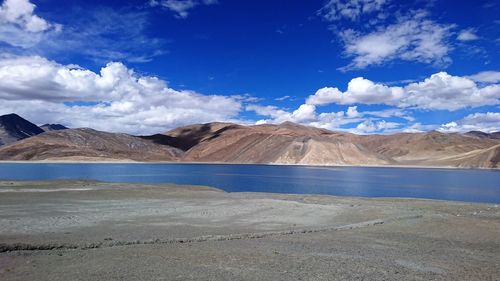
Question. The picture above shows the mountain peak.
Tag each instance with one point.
(13, 128)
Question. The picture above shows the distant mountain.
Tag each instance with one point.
(482, 135)
(428, 148)
(87, 144)
(286, 143)
(290, 143)
(14, 128)
(52, 127)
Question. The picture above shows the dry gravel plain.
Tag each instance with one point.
(76, 230)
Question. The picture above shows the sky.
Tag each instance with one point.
(147, 66)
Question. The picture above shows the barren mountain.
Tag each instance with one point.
(426, 148)
(87, 144)
(290, 143)
(14, 128)
(287, 143)
(483, 135)
(485, 158)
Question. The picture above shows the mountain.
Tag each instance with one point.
(290, 143)
(482, 135)
(87, 144)
(52, 127)
(430, 148)
(287, 143)
(14, 128)
(486, 158)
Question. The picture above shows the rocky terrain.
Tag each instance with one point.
(286, 143)
(88, 145)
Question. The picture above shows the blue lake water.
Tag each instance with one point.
(446, 184)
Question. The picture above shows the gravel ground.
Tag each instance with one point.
(71, 230)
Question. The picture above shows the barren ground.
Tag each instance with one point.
(69, 230)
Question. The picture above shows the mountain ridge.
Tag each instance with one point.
(286, 143)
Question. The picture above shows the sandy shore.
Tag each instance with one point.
(70, 230)
(124, 161)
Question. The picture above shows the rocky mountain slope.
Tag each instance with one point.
(425, 148)
(14, 128)
(290, 143)
(87, 144)
(287, 143)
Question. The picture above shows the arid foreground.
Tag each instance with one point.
(96, 231)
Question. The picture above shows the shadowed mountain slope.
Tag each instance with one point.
(14, 128)
(53, 127)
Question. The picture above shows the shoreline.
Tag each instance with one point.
(241, 164)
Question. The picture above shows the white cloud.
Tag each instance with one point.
(439, 91)
(117, 98)
(283, 98)
(486, 122)
(335, 10)
(305, 114)
(412, 39)
(370, 126)
(467, 35)
(181, 7)
(486, 77)
(20, 27)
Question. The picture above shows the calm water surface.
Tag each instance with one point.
(447, 184)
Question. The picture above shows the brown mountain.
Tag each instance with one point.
(426, 148)
(287, 143)
(290, 143)
(87, 144)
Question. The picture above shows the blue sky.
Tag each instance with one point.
(145, 66)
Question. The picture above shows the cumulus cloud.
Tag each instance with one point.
(115, 99)
(370, 126)
(488, 122)
(467, 35)
(440, 91)
(335, 10)
(411, 39)
(20, 26)
(181, 8)
(486, 77)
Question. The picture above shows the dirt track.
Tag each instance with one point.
(94, 231)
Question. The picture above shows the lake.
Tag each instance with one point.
(447, 184)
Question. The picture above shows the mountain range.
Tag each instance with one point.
(286, 143)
